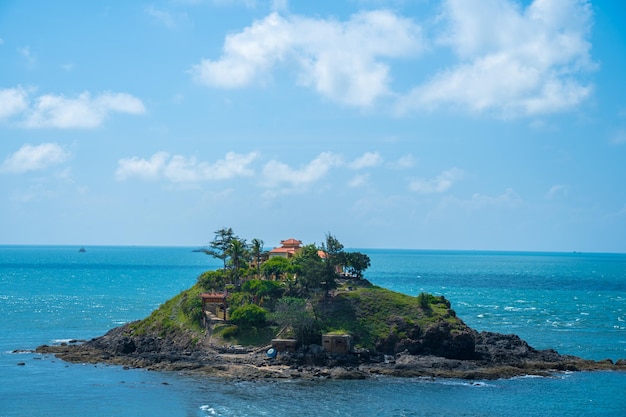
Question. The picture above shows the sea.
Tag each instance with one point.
(572, 302)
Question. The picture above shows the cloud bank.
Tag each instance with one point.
(342, 61)
(58, 111)
(35, 158)
(506, 59)
(179, 169)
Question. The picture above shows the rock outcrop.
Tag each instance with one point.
(435, 353)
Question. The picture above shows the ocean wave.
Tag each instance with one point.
(473, 384)
(218, 411)
(517, 309)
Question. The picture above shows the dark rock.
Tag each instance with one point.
(437, 351)
(126, 346)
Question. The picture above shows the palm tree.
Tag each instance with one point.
(257, 252)
(238, 253)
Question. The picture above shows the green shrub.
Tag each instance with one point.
(229, 332)
(191, 306)
(249, 315)
(212, 280)
(424, 299)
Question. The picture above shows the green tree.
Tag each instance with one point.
(238, 254)
(213, 280)
(310, 270)
(357, 263)
(276, 267)
(221, 242)
(293, 313)
(264, 292)
(256, 250)
(333, 260)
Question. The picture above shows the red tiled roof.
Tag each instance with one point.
(213, 296)
(283, 250)
(291, 242)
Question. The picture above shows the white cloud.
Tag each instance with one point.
(250, 4)
(367, 160)
(57, 111)
(277, 174)
(512, 61)
(33, 193)
(138, 167)
(35, 158)
(619, 137)
(280, 5)
(179, 169)
(29, 57)
(556, 191)
(161, 17)
(12, 101)
(442, 183)
(340, 60)
(358, 180)
(508, 199)
(404, 162)
(168, 19)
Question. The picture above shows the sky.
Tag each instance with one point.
(417, 124)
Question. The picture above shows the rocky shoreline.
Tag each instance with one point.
(495, 356)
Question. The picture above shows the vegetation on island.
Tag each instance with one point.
(320, 289)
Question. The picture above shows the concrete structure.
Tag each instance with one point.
(285, 345)
(337, 343)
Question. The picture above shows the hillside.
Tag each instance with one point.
(378, 319)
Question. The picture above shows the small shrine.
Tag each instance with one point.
(214, 306)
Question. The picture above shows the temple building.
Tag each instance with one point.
(287, 249)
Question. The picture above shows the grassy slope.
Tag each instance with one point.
(368, 313)
(179, 315)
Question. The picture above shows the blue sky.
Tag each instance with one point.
(454, 124)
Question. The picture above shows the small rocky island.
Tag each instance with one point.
(307, 312)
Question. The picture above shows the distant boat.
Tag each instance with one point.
(82, 250)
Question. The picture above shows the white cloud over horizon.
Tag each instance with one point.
(35, 158)
(557, 191)
(12, 101)
(442, 183)
(512, 61)
(367, 160)
(278, 174)
(167, 18)
(180, 169)
(509, 199)
(58, 111)
(508, 60)
(342, 61)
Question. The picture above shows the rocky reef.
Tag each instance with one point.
(438, 352)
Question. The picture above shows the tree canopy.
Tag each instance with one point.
(281, 289)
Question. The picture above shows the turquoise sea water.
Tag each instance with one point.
(575, 303)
